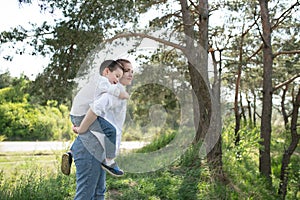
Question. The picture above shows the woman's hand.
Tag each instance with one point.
(75, 129)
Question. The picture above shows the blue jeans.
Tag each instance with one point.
(90, 177)
(111, 134)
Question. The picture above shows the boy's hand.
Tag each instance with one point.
(124, 95)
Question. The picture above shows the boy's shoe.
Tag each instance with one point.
(66, 162)
(113, 169)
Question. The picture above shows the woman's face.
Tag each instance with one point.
(127, 75)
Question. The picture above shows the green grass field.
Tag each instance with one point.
(11, 163)
(37, 176)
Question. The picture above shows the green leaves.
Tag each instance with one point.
(22, 121)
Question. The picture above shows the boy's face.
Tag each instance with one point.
(113, 76)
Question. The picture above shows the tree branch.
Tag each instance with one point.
(143, 35)
(278, 21)
(261, 35)
(283, 15)
(197, 7)
(286, 52)
(254, 54)
(286, 82)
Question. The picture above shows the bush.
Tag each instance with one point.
(22, 121)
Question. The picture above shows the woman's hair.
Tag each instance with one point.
(112, 65)
(123, 62)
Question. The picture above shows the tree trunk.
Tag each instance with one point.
(243, 113)
(254, 108)
(213, 139)
(249, 110)
(265, 135)
(215, 155)
(283, 111)
(205, 103)
(197, 65)
(236, 94)
(289, 152)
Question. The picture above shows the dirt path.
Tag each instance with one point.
(52, 146)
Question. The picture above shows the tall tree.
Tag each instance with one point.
(83, 25)
(194, 16)
(266, 129)
(295, 137)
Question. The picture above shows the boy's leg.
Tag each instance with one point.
(66, 163)
(66, 159)
(110, 133)
(110, 140)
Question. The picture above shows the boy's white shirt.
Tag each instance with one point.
(109, 106)
(92, 91)
(112, 109)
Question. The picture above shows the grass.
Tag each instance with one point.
(18, 159)
(38, 176)
(34, 176)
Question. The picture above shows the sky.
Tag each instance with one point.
(12, 15)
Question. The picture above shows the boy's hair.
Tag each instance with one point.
(112, 65)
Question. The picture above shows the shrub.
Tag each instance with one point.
(22, 121)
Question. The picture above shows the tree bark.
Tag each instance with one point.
(215, 155)
(283, 110)
(205, 103)
(249, 109)
(236, 95)
(197, 71)
(254, 108)
(266, 129)
(289, 152)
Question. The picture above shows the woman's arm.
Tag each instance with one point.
(88, 119)
(98, 108)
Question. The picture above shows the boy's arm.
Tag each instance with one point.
(97, 108)
(88, 119)
(114, 90)
(104, 86)
(124, 95)
(117, 92)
